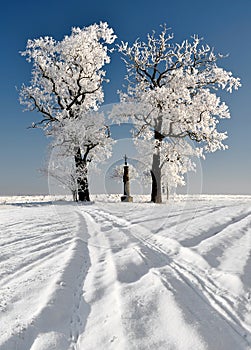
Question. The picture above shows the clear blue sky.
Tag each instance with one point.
(224, 24)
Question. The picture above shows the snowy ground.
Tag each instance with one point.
(125, 276)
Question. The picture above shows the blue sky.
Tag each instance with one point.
(224, 24)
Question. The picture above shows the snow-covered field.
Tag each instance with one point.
(125, 276)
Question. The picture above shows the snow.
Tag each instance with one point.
(112, 275)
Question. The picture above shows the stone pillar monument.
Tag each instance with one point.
(126, 179)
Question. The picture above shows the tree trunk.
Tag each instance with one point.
(74, 195)
(82, 179)
(83, 188)
(156, 195)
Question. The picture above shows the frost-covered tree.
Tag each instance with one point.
(66, 84)
(176, 159)
(63, 170)
(89, 143)
(172, 95)
(118, 173)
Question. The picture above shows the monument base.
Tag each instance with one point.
(126, 199)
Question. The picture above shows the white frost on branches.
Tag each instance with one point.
(172, 97)
(66, 89)
(118, 172)
(63, 170)
(176, 158)
(67, 75)
(90, 134)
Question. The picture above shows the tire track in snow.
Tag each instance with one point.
(213, 230)
(101, 292)
(238, 251)
(13, 268)
(233, 242)
(211, 293)
(203, 286)
(25, 267)
(30, 242)
(134, 316)
(59, 313)
(170, 212)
